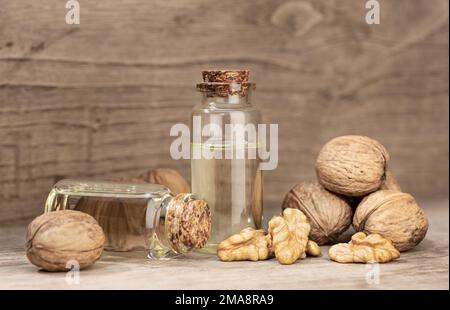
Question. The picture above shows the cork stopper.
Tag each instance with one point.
(223, 83)
(225, 76)
(188, 222)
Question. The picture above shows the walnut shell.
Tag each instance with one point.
(329, 215)
(56, 238)
(257, 201)
(170, 178)
(394, 215)
(390, 182)
(352, 165)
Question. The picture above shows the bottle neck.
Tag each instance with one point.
(209, 99)
(226, 100)
(181, 223)
(167, 221)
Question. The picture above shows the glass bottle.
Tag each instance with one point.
(224, 153)
(137, 216)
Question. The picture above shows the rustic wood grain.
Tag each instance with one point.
(424, 267)
(98, 99)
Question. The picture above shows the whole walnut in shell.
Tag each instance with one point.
(390, 182)
(55, 239)
(394, 215)
(352, 165)
(328, 214)
(170, 178)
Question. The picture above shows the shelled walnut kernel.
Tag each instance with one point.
(249, 244)
(312, 249)
(289, 235)
(364, 249)
(287, 239)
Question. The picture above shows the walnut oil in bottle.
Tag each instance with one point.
(137, 216)
(224, 154)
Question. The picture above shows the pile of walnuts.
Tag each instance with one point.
(355, 186)
(352, 173)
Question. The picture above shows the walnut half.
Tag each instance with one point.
(289, 235)
(249, 244)
(364, 249)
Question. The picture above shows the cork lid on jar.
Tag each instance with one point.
(188, 222)
(225, 76)
(225, 82)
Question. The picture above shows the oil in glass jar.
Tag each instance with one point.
(225, 163)
(137, 216)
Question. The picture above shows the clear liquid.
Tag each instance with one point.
(124, 211)
(233, 190)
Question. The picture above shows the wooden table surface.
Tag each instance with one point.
(424, 267)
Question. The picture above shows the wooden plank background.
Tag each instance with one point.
(98, 99)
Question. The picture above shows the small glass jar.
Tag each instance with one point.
(137, 216)
(230, 181)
